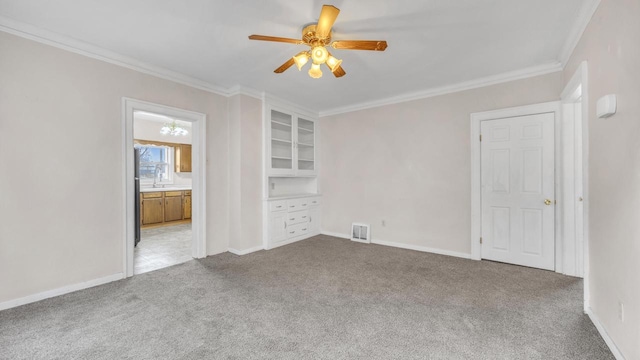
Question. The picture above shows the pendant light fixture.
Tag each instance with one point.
(173, 129)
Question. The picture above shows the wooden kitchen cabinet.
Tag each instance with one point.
(183, 158)
(187, 205)
(172, 206)
(152, 208)
(164, 207)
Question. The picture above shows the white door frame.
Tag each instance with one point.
(569, 95)
(476, 189)
(198, 175)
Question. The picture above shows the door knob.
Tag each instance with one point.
(547, 202)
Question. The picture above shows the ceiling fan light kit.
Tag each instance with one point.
(301, 59)
(318, 37)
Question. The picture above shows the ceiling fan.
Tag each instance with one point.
(318, 37)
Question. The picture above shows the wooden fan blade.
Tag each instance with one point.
(328, 16)
(284, 66)
(376, 45)
(339, 72)
(276, 39)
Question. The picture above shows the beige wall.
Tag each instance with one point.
(410, 164)
(245, 158)
(611, 46)
(61, 140)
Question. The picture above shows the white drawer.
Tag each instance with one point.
(297, 204)
(297, 230)
(278, 205)
(297, 217)
(315, 201)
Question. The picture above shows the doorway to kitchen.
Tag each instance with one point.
(163, 168)
(164, 181)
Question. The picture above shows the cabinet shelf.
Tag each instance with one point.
(280, 123)
(292, 144)
(281, 141)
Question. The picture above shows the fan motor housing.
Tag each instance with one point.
(309, 36)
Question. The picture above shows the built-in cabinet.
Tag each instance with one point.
(163, 207)
(292, 219)
(292, 198)
(292, 143)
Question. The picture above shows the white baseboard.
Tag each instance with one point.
(246, 251)
(406, 246)
(329, 233)
(607, 339)
(422, 248)
(59, 291)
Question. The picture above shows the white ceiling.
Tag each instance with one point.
(432, 43)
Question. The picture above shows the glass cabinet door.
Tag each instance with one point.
(281, 141)
(306, 145)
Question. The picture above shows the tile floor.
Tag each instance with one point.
(161, 247)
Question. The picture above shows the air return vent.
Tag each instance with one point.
(360, 233)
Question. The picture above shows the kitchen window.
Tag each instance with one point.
(156, 164)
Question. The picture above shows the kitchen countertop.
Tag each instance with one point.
(166, 188)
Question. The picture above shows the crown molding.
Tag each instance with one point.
(278, 101)
(247, 91)
(585, 14)
(80, 47)
(449, 89)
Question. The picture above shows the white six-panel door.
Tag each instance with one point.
(518, 203)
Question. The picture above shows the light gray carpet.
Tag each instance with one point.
(322, 298)
(161, 247)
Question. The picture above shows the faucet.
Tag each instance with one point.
(156, 176)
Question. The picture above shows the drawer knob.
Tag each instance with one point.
(304, 217)
(292, 232)
(292, 219)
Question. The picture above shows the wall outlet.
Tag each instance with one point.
(383, 223)
(273, 186)
(620, 311)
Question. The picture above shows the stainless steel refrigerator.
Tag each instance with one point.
(136, 198)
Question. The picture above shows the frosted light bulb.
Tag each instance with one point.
(319, 54)
(315, 71)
